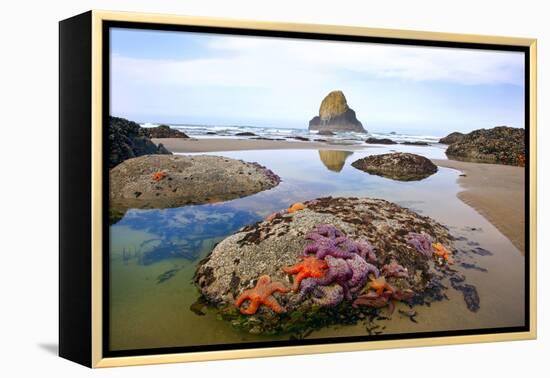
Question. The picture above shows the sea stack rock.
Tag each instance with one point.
(335, 115)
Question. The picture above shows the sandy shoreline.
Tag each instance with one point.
(497, 192)
(180, 145)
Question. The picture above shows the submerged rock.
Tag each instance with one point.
(398, 166)
(500, 145)
(162, 131)
(373, 140)
(126, 141)
(246, 133)
(162, 181)
(452, 138)
(356, 237)
(335, 115)
(415, 143)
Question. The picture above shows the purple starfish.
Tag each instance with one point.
(329, 296)
(362, 247)
(338, 271)
(393, 269)
(360, 272)
(422, 242)
(327, 241)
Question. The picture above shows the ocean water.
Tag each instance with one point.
(213, 131)
(154, 253)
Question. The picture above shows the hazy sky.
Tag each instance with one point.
(180, 77)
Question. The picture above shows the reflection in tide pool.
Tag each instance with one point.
(153, 253)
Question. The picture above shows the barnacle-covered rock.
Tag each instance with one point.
(362, 234)
(401, 166)
(165, 181)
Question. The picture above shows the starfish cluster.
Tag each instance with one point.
(334, 268)
(337, 267)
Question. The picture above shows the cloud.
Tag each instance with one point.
(272, 62)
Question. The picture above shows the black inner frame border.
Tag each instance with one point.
(107, 25)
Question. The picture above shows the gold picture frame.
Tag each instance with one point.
(89, 329)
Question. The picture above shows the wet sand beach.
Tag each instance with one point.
(497, 193)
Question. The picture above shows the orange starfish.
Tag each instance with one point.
(297, 206)
(262, 295)
(440, 250)
(310, 266)
(380, 285)
(157, 176)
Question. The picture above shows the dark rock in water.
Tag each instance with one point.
(415, 143)
(499, 145)
(372, 231)
(246, 133)
(452, 138)
(162, 131)
(319, 140)
(211, 133)
(172, 181)
(471, 297)
(303, 139)
(481, 251)
(473, 266)
(335, 115)
(397, 166)
(166, 275)
(126, 141)
(163, 150)
(393, 133)
(325, 132)
(198, 307)
(264, 138)
(372, 140)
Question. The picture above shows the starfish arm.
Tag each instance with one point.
(313, 236)
(337, 252)
(279, 287)
(252, 308)
(274, 305)
(293, 269)
(341, 239)
(327, 279)
(299, 277)
(310, 248)
(243, 297)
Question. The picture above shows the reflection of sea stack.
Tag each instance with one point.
(334, 160)
(336, 115)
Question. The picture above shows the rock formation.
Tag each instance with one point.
(162, 131)
(452, 138)
(333, 252)
(162, 181)
(500, 145)
(335, 115)
(398, 166)
(127, 141)
(373, 140)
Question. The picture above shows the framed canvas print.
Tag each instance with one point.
(236, 189)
